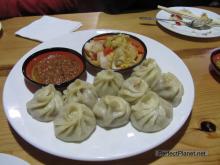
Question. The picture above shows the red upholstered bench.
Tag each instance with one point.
(13, 8)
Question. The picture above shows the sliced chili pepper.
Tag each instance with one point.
(94, 56)
(107, 50)
(178, 23)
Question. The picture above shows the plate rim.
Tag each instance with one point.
(96, 158)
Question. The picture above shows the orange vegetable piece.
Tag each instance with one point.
(107, 50)
(138, 45)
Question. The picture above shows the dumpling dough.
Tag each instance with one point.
(45, 104)
(169, 88)
(82, 92)
(108, 82)
(151, 113)
(75, 124)
(149, 71)
(112, 111)
(133, 89)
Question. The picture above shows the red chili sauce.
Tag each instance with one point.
(216, 60)
(54, 67)
(177, 18)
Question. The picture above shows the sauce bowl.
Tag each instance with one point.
(58, 66)
(215, 61)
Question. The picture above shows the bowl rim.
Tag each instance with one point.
(37, 53)
(214, 53)
(116, 33)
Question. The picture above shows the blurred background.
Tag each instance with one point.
(15, 8)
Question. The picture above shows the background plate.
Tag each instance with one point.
(6, 159)
(102, 145)
(187, 31)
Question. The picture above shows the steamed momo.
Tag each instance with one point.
(133, 89)
(151, 113)
(82, 92)
(108, 82)
(112, 111)
(149, 71)
(45, 104)
(75, 123)
(169, 88)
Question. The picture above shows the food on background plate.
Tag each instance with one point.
(108, 82)
(182, 13)
(216, 59)
(114, 51)
(133, 89)
(218, 64)
(200, 22)
(112, 112)
(178, 19)
(149, 71)
(169, 88)
(82, 92)
(151, 113)
(75, 123)
(45, 104)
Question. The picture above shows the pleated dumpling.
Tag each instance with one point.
(149, 71)
(75, 124)
(169, 88)
(133, 89)
(108, 82)
(46, 104)
(112, 111)
(151, 113)
(82, 92)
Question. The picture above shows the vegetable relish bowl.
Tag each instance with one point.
(116, 51)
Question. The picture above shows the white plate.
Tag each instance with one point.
(102, 145)
(187, 31)
(0, 26)
(11, 160)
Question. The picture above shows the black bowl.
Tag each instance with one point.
(94, 68)
(215, 56)
(49, 65)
